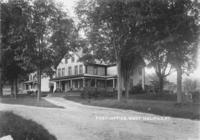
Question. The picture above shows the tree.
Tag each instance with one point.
(130, 63)
(64, 38)
(190, 85)
(55, 35)
(14, 41)
(171, 33)
(1, 92)
(183, 38)
(109, 26)
(36, 39)
(160, 62)
(154, 16)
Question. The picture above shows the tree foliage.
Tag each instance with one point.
(165, 31)
(171, 36)
(15, 40)
(36, 35)
(111, 26)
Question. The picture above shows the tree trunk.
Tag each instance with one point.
(1, 80)
(1, 85)
(39, 84)
(12, 88)
(15, 88)
(119, 80)
(161, 84)
(179, 85)
(127, 87)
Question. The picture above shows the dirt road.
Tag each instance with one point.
(82, 122)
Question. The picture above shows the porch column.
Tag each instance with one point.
(59, 84)
(95, 83)
(71, 86)
(83, 82)
(113, 84)
(78, 83)
(105, 84)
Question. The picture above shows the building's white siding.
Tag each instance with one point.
(112, 70)
(45, 84)
(136, 77)
(65, 66)
(33, 78)
(90, 71)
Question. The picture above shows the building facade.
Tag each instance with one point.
(73, 75)
(31, 84)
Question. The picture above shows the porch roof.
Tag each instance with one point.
(29, 82)
(80, 76)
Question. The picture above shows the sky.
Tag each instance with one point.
(70, 4)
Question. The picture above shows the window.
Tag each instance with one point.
(73, 59)
(69, 70)
(63, 71)
(95, 71)
(80, 69)
(59, 72)
(66, 60)
(76, 70)
(90, 70)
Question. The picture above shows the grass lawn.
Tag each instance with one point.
(22, 129)
(27, 100)
(162, 97)
(163, 108)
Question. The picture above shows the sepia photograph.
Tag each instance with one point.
(99, 69)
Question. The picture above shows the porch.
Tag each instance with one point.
(79, 84)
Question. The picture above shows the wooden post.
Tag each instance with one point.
(1, 85)
(78, 83)
(95, 83)
(113, 84)
(71, 86)
(83, 82)
(105, 85)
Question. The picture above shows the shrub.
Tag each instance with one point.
(57, 90)
(94, 93)
(89, 93)
(196, 96)
(137, 89)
